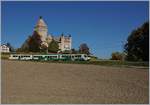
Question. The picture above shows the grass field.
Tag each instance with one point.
(5, 55)
(38, 82)
(105, 63)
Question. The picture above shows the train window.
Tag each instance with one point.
(85, 56)
(78, 56)
(55, 56)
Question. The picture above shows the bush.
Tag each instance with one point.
(117, 56)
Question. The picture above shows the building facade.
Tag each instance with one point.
(64, 42)
(4, 48)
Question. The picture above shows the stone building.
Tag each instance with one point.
(41, 28)
(4, 48)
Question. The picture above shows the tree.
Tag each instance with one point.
(18, 50)
(137, 46)
(25, 46)
(34, 42)
(53, 47)
(117, 56)
(84, 49)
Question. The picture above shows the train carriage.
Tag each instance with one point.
(20, 57)
(51, 57)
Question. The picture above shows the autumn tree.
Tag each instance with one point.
(84, 49)
(117, 56)
(34, 42)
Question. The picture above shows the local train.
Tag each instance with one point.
(50, 57)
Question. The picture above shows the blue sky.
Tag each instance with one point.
(104, 26)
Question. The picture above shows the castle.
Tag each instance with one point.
(64, 42)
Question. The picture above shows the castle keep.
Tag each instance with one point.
(41, 28)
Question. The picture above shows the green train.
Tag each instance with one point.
(51, 57)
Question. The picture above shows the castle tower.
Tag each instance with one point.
(41, 28)
(65, 42)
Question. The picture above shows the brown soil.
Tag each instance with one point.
(34, 82)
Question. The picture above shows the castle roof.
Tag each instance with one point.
(41, 23)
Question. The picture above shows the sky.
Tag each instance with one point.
(103, 26)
